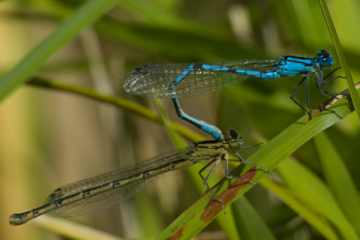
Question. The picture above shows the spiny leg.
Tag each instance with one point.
(222, 157)
(206, 178)
(307, 94)
(322, 80)
(294, 96)
(323, 91)
(212, 164)
(330, 76)
(241, 159)
(350, 102)
(331, 72)
(320, 85)
(214, 191)
(225, 159)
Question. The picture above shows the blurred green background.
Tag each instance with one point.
(50, 138)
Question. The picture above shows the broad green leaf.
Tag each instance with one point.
(339, 180)
(288, 197)
(249, 223)
(37, 57)
(314, 194)
(340, 55)
(148, 215)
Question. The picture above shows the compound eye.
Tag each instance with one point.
(233, 134)
(325, 53)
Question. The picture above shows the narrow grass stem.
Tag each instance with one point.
(340, 55)
(114, 101)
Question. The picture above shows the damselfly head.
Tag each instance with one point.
(134, 81)
(233, 134)
(324, 58)
(234, 139)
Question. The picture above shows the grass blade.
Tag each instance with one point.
(288, 197)
(120, 103)
(31, 63)
(340, 55)
(72, 230)
(339, 180)
(249, 223)
(315, 195)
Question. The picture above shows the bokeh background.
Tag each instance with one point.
(49, 138)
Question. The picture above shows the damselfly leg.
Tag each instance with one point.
(295, 94)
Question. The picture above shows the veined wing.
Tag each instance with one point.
(119, 182)
(157, 80)
(122, 175)
(78, 199)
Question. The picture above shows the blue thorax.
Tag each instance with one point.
(295, 65)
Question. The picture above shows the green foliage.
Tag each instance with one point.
(340, 56)
(323, 204)
(69, 29)
(316, 183)
(249, 224)
(337, 177)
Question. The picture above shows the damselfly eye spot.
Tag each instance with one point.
(233, 134)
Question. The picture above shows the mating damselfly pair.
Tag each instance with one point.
(173, 80)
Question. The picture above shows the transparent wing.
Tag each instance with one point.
(122, 182)
(116, 183)
(155, 80)
(157, 162)
(75, 203)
